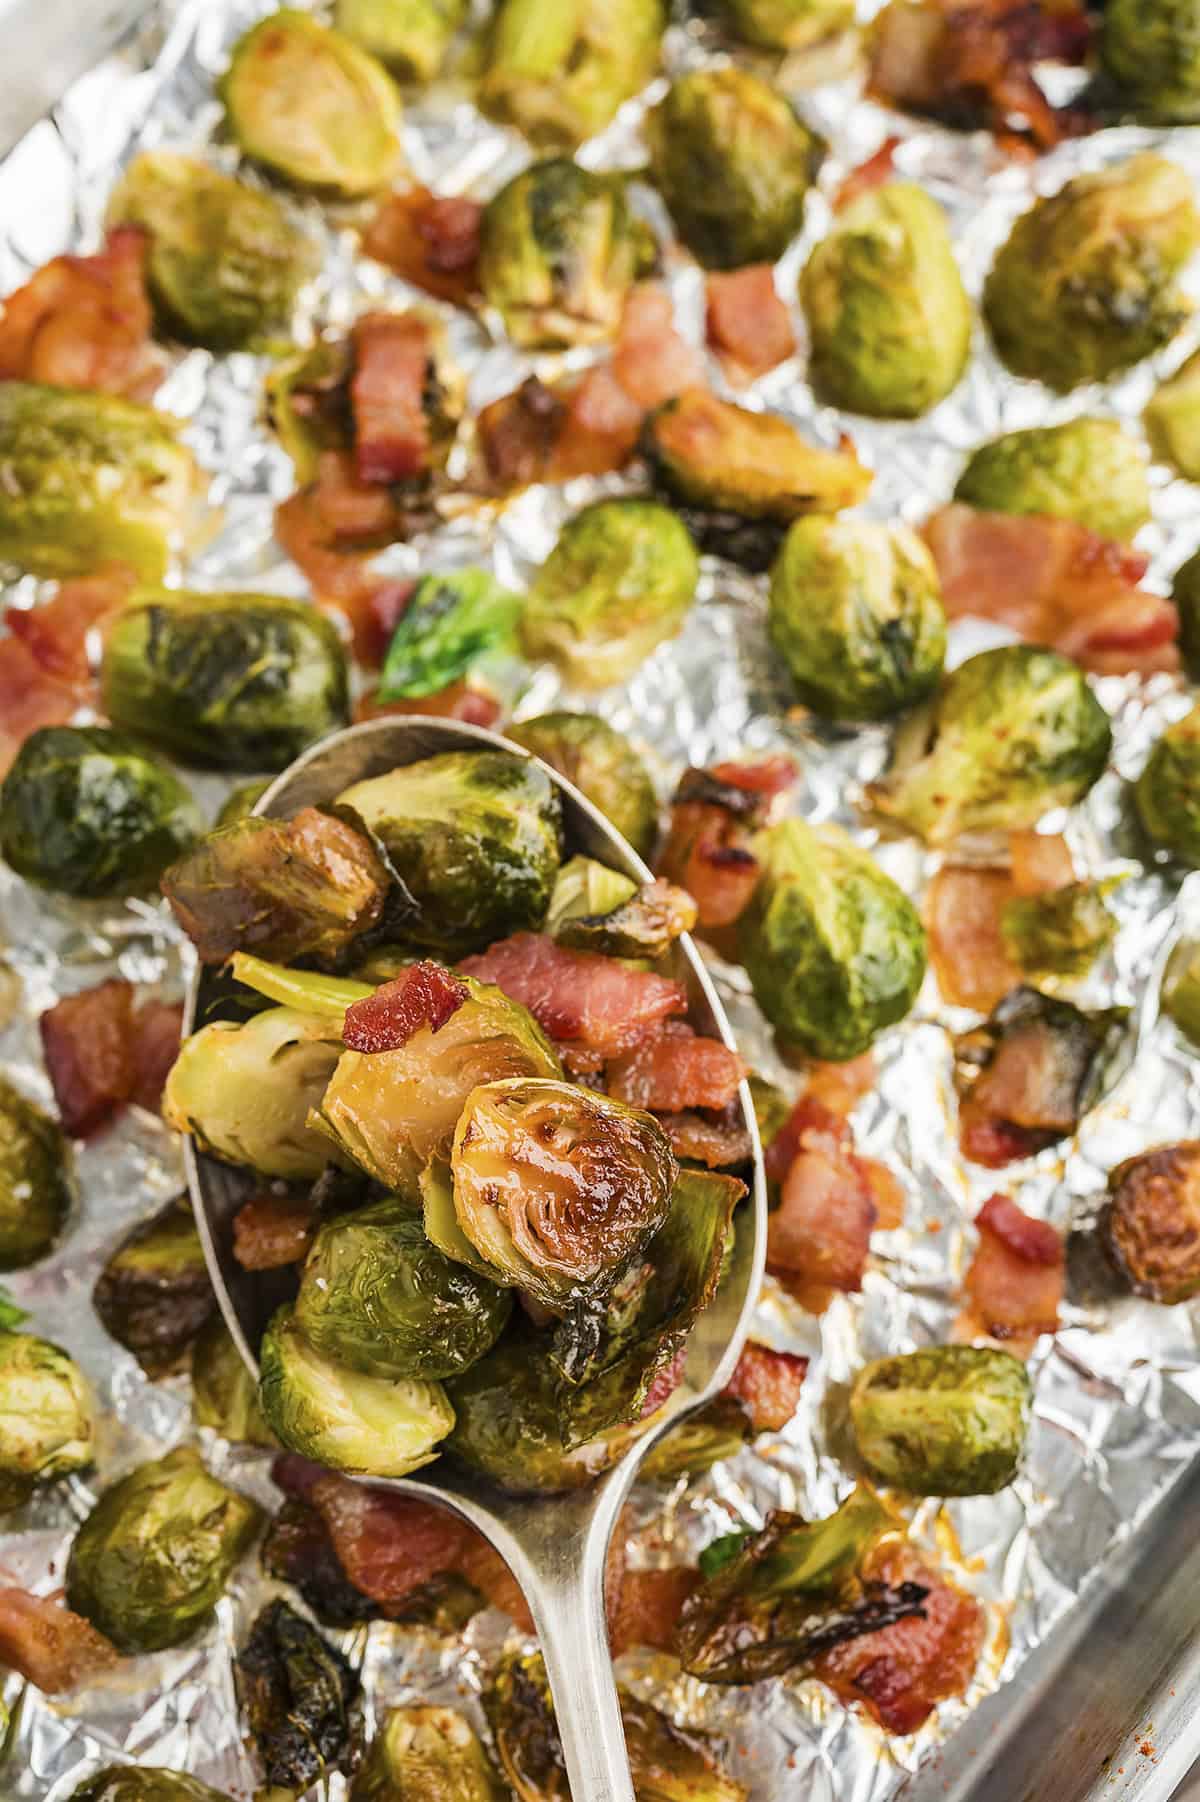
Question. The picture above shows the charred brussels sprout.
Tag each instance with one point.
(558, 1188)
(298, 1695)
(559, 73)
(426, 1755)
(603, 766)
(1151, 51)
(1088, 470)
(410, 36)
(783, 24)
(224, 262)
(451, 622)
(474, 836)
(619, 581)
(734, 165)
(85, 812)
(224, 1394)
(377, 1297)
(311, 106)
(1084, 287)
(1012, 733)
(46, 1416)
(559, 251)
(35, 1184)
(1172, 419)
(1151, 1226)
(596, 909)
(888, 317)
(1167, 793)
(834, 949)
(153, 1295)
(856, 614)
(144, 1783)
(89, 479)
(151, 1561)
(947, 1420)
(373, 1426)
(244, 1091)
(226, 681)
(1059, 934)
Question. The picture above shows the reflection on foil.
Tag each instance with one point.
(1117, 1391)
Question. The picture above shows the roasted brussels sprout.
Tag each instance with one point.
(619, 581)
(451, 622)
(143, 1783)
(377, 1297)
(224, 1394)
(89, 479)
(151, 1561)
(834, 949)
(783, 24)
(1152, 53)
(86, 812)
(226, 681)
(373, 1426)
(1172, 419)
(1179, 997)
(559, 251)
(410, 36)
(1185, 592)
(1088, 470)
(298, 1696)
(734, 164)
(224, 262)
(705, 1438)
(47, 1424)
(888, 317)
(1059, 934)
(856, 615)
(473, 835)
(1167, 793)
(946, 1420)
(603, 766)
(560, 73)
(153, 1294)
(426, 1755)
(594, 908)
(244, 1091)
(1084, 286)
(308, 104)
(35, 1181)
(1012, 733)
(1151, 1225)
(558, 1188)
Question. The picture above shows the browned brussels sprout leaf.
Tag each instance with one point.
(153, 1295)
(299, 1697)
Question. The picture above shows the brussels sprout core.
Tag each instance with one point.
(947, 1420)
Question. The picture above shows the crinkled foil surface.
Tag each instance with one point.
(1117, 1390)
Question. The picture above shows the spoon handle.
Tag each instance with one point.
(568, 1609)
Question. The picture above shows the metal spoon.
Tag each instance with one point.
(556, 1546)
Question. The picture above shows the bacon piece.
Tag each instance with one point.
(1015, 1280)
(1041, 862)
(391, 369)
(964, 911)
(29, 699)
(157, 1029)
(840, 1087)
(1023, 1075)
(821, 1231)
(594, 1007)
(714, 816)
(87, 1042)
(878, 168)
(458, 702)
(49, 1646)
(767, 777)
(1054, 583)
(599, 430)
(519, 433)
(646, 1608)
(769, 1384)
(426, 994)
(651, 361)
(718, 1141)
(674, 1070)
(271, 1231)
(84, 322)
(748, 326)
(432, 240)
(56, 631)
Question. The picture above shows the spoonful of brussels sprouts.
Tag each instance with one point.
(511, 1289)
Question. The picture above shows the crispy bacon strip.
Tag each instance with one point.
(87, 1043)
(714, 816)
(56, 631)
(157, 1030)
(426, 994)
(50, 1647)
(869, 175)
(676, 1069)
(272, 1231)
(431, 240)
(718, 1141)
(769, 1384)
(647, 1606)
(747, 324)
(391, 369)
(29, 699)
(964, 910)
(1015, 1280)
(85, 322)
(821, 1232)
(651, 361)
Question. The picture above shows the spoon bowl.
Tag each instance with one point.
(555, 1545)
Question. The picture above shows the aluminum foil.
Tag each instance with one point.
(1117, 1416)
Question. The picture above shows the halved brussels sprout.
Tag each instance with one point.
(734, 164)
(618, 583)
(410, 36)
(834, 949)
(226, 681)
(784, 24)
(1167, 793)
(856, 614)
(1089, 470)
(377, 1297)
(707, 1437)
(1084, 287)
(89, 479)
(86, 812)
(426, 1755)
(35, 1180)
(1012, 733)
(558, 1188)
(152, 1559)
(245, 1091)
(946, 1420)
(603, 766)
(299, 1697)
(1151, 1226)
(153, 1294)
(47, 1423)
(474, 836)
(888, 317)
(394, 1112)
(372, 1426)
(1151, 51)
(559, 251)
(1059, 934)
(559, 73)
(1172, 419)
(1179, 997)
(311, 106)
(451, 622)
(594, 908)
(144, 1783)
(224, 1394)
(224, 261)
